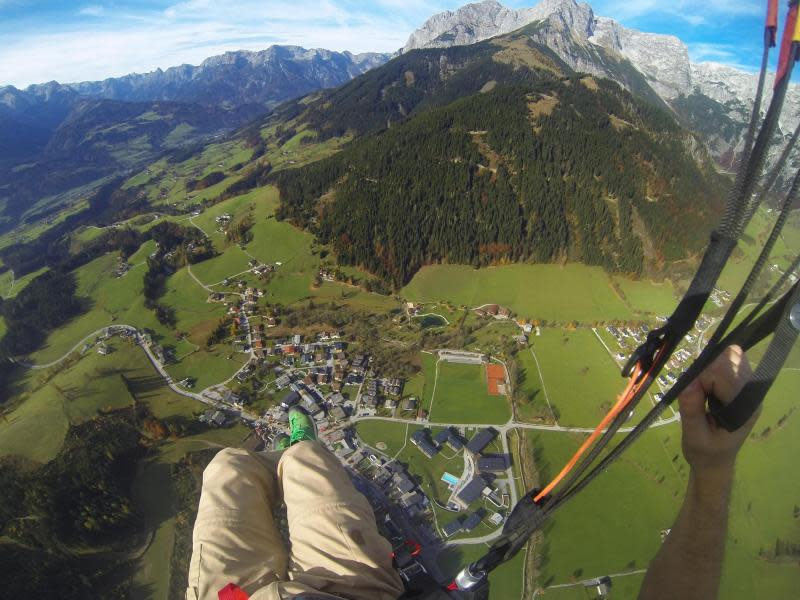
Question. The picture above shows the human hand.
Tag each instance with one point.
(709, 449)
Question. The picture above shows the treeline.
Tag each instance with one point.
(79, 500)
(45, 304)
(178, 246)
(488, 179)
(212, 178)
(51, 249)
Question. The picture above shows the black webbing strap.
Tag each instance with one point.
(758, 266)
(745, 336)
(737, 413)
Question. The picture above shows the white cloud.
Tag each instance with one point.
(707, 51)
(188, 32)
(129, 39)
(693, 12)
(92, 10)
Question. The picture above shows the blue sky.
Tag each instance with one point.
(75, 41)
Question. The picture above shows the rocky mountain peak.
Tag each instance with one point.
(579, 38)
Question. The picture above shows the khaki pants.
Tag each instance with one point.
(336, 550)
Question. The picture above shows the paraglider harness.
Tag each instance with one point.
(774, 315)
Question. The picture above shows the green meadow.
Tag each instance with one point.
(581, 379)
(11, 286)
(462, 396)
(548, 292)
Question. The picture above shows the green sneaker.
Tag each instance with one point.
(281, 442)
(301, 427)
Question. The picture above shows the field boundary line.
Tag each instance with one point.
(544, 387)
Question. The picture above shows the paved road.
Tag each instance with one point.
(509, 425)
(92, 335)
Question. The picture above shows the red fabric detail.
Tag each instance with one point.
(772, 14)
(787, 45)
(232, 592)
(452, 587)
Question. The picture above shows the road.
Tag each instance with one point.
(509, 425)
(585, 582)
(153, 360)
(75, 348)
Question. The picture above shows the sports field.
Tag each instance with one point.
(550, 292)
(462, 396)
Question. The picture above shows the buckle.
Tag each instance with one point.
(645, 354)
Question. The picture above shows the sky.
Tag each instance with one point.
(70, 41)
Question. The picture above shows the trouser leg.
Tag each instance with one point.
(235, 539)
(335, 544)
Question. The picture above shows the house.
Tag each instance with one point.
(453, 527)
(493, 464)
(290, 399)
(218, 418)
(405, 485)
(454, 441)
(103, 350)
(442, 437)
(503, 313)
(471, 492)
(481, 439)
(337, 413)
(336, 398)
(474, 520)
(370, 401)
(411, 499)
(421, 439)
(409, 405)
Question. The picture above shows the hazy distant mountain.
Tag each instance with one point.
(268, 77)
(712, 99)
(55, 137)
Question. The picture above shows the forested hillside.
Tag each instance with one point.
(547, 168)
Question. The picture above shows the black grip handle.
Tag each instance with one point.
(744, 406)
(722, 414)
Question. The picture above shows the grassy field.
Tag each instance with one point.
(394, 435)
(504, 583)
(190, 303)
(52, 399)
(639, 496)
(581, 378)
(548, 292)
(750, 246)
(208, 367)
(765, 499)
(10, 287)
(461, 396)
(648, 297)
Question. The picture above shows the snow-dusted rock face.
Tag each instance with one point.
(570, 28)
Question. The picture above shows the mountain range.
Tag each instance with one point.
(59, 137)
(713, 99)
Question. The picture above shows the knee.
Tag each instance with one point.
(226, 460)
